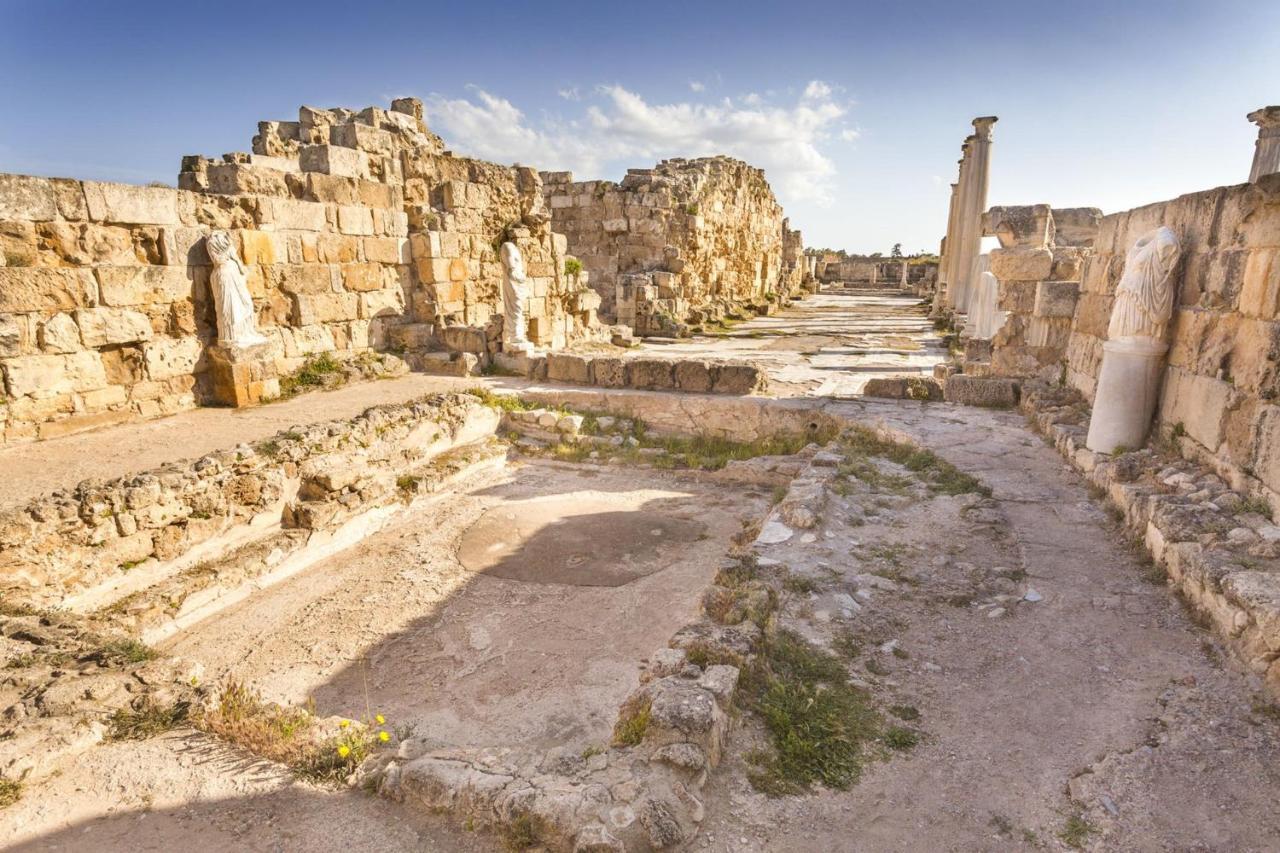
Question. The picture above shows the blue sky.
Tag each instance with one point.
(856, 110)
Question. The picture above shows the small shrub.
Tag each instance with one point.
(819, 724)
(633, 722)
(1076, 831)
(910, 713)
(408, 483)
(572, 266)
(1254, 504)
(10, 792)
(901, 738)
(126, 650)
(319, 371)
(523, 832)
(151, 720)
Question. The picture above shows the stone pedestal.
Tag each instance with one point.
(1128, 386)
(243, 376)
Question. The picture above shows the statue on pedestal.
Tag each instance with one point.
(1133, 355)
(237, 326)
(514, 294)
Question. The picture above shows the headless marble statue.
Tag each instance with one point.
(513, 298)
(1144, 297)
(232, 302)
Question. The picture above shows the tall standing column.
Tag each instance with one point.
(955, 237)
(1266, 152)
(975, 203)
(940, 286)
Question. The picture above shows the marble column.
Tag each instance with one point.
(975, 203)
(1266, 152)
(955, 237)
(940, 286)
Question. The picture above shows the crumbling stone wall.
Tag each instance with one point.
(684, 243)
(358, 231)
(1220, 387)
(1038, 267)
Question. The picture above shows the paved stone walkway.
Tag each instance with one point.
(826, 345)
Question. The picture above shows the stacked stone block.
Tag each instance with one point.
(1038, 267)
(1218, 398)
(685, 243)
(357, 231)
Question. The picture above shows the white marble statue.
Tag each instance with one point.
(1133, 354)
(236, 324)
(514, 293)
(1144, 297)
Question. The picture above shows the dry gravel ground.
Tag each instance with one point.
(1099, 707)
(531, 635)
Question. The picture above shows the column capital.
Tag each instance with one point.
(1266, 118)
(982, 124)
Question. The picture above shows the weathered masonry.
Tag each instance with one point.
(684, 243)
(357, 230)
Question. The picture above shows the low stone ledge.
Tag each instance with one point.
(88, 547)
(925, 389)
(694, 376)
(988, 392)
(1213, 547)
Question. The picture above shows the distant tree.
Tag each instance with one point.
(896, 251)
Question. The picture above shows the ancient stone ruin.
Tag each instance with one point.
(361, 495)
(685, 243)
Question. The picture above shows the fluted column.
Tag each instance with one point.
(975, 202)
(1266, 152)
(940, 286)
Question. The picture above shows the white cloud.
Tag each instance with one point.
(697, 86)
(621, 129)
(849, 134)
(570, 93)
(817, 91)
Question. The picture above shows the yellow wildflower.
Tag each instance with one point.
(344, 751)
(381, 719)
(342, 724)
(384, 737)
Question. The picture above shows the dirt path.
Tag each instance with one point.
(1099, 707)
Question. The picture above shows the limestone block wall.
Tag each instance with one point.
(1038, 266)
(1222, 381)
(358, 232)
(682, 243)
(98, 543)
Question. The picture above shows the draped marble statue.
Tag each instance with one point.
(1144, 297)
(231, 300)
(514, 294)
(1133, 355)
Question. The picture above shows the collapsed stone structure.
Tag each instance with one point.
(357, 232)
(685, 243)
(871, 271)
(1023, 301)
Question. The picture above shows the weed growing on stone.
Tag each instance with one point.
(1254, 504)
(288, 735)
(321, 371)
(147, 722)
(522, 832)
(1076, 831)
(821, 726)
(125, 650)
(939, 475)
(633, 722)
(10, 792)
